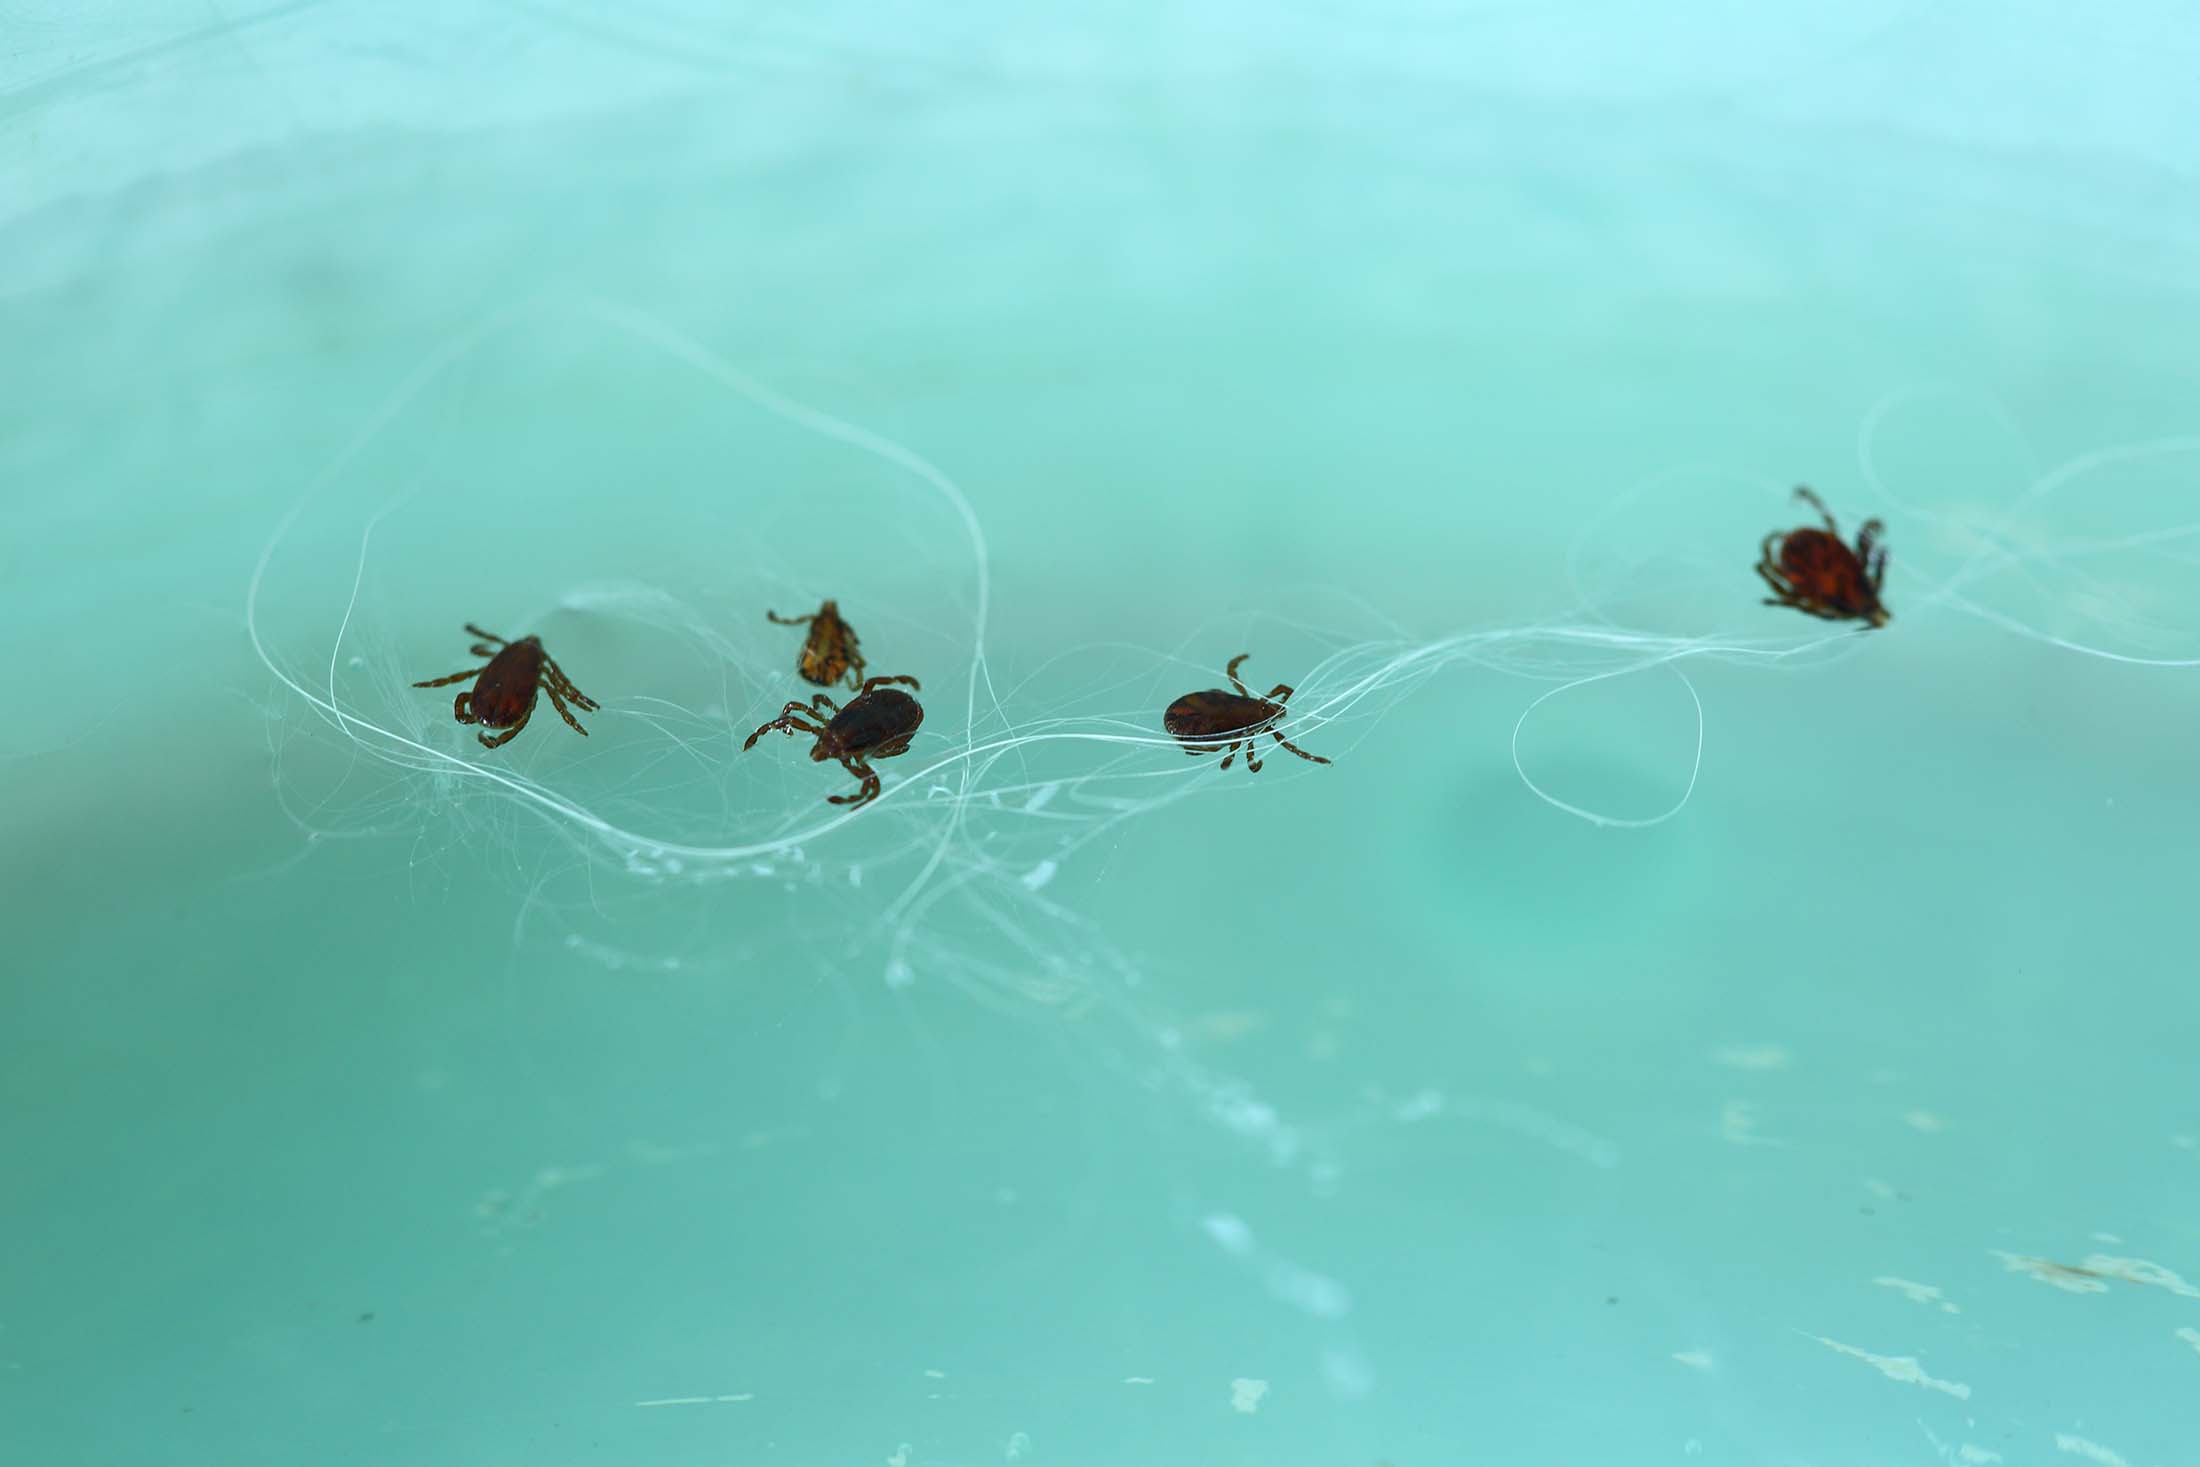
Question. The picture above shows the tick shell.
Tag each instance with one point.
(829, 649)
(1819, 565)
(874, 718)
(1217, 715)
(506, 688)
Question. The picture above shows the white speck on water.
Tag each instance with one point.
(2106, 1238)
(899, 974)
(1018, 1444)
(1245, 1395)
(1904, 1368)
(935, 1375)
(1695, 1359)
(1348, 1373)
(1230, 1231)
(1310, 1292)
(1738, 1125)
(2191, 1337)
(2078, 1446)
(1926, 1121)
(1138, 1380)
(1042, 797)
(900, 1457)
(2139, 1271)
(2057, 1275)
(1039, 875)
(1976, 1456)
(1420, 1106)
(855, 875)
(1753, 1057)
(1302, 1288)
(1918, 1293)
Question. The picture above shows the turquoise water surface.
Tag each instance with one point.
(1672, 1029)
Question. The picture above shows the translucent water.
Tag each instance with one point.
(1672, 1029)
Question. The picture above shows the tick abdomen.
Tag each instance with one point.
(1216, 713)
(507, 683)
(879, 715)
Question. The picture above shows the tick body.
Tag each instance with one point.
(503, 693)
(877, 724)
(1813, 571)
(830, 652)
(1218, 719)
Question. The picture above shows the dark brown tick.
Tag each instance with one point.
(830, 652)
(1216, 719)
(1812, 570)
(503, 694)
(877, 724)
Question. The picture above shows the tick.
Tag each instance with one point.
(1217, 719)
(830, 652)
(1813, 571)
(503, 694)
(877, 724)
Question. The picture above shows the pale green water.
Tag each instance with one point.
(371, 1098)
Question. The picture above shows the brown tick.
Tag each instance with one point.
(877, 724)
(830, 652)
(503, 694)
(1216, 719)
(1813, 571)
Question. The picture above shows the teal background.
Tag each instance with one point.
(371, 1098)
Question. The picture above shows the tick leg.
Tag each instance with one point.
(1227, 755)
(456, 677)
(460, 711)
(1818, 504)
(1772, 578)
(564, 712)
(829, 706)
(580, 699)
(1252, 760)
(1868, 549)
(790, 621)
(1294, 748)
(1281, 693)
(863, 796)
(474, 631)
(511, 733)
(879, 682)
(856, 664)
(1230, 672)
(789, 721)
